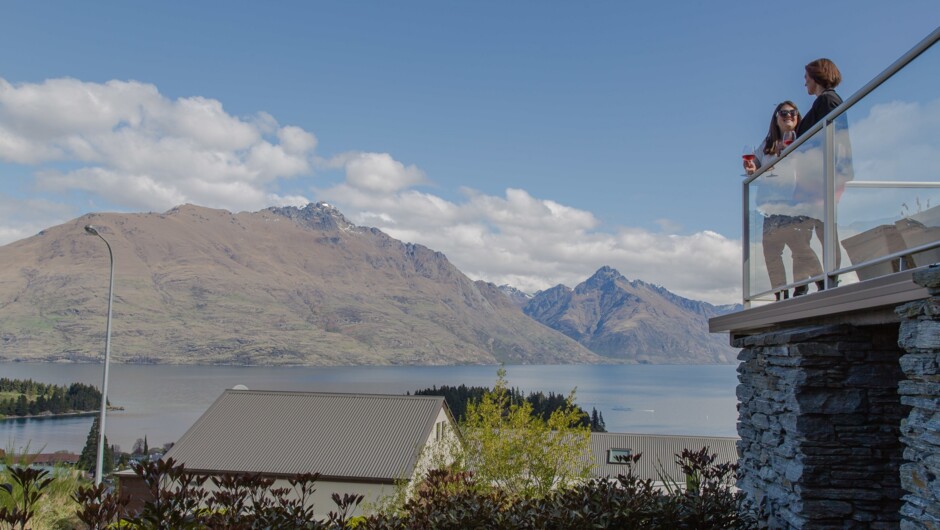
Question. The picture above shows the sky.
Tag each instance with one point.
(531, 142)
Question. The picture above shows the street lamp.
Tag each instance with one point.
(99, 466)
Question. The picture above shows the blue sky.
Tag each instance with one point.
(531, 142)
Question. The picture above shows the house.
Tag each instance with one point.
(59, 458)
(359, 443)
(658, 451)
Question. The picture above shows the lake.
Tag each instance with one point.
(163, 401)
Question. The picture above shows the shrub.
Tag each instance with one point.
(42, 496)
(445, 500)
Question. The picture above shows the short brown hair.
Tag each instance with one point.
(824, 72)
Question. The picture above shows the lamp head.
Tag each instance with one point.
(91, 230)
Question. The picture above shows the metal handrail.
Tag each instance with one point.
(887, 258)
(888, 73)
(825, 125)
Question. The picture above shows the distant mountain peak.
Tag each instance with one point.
(518, 297)
(631, 321)
(605, 274)
(320, 216)
(605, 279)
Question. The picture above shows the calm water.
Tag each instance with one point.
(162, 401)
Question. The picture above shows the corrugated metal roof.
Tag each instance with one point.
(367, 437)
(659, 452)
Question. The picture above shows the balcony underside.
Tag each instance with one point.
(865, 303)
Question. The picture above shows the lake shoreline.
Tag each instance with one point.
(51, 416)
(608, 362)
(163, 401)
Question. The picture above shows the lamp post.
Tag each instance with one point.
(99, 466)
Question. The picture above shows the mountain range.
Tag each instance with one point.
(632, 321)
(304, 286)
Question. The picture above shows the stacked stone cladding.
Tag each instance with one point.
(819, 417)
(920, 337)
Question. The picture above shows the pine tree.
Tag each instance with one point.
(89, 457)
(22, 406)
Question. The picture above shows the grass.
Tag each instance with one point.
(35, 322)
(13, 395)
(56, 508)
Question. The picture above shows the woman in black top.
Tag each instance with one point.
(822, 77)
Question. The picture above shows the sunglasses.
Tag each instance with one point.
(788, 113)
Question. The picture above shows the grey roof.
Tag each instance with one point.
(364, 437)
(659, 452)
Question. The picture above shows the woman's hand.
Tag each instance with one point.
(750, 166)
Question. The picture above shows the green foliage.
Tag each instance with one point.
(28, 397)
(88, 460)
(459, 397)
(100, 505)
(51, 506)
(445, 500)
(36, 498)
(452, 501)
(511, 449)
(178, 500)
(597, 421)
(30, 482)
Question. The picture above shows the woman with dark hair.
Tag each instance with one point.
(821, 78)
(786, 117)
(775, 202)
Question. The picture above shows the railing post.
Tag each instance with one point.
(746, 236)
(830, 245)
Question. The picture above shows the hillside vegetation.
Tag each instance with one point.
(281, 286)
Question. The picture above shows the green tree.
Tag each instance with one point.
(22, 406)
(597, 421)
(89, 457)
(509, 448)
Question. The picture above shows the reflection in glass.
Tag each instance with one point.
(786, 211)
(885, 191)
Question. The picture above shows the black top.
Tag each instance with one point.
(823, 105)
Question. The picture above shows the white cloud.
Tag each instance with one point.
(128, 144)
(295, 140)
(893, 141)
(22, 218)
(377, 172)
(534, 243)
(124, 143)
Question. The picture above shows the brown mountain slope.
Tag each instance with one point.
(279, 286)
(632, 321)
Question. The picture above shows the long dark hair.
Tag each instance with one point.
(774, 136)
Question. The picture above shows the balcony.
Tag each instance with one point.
(858, 197)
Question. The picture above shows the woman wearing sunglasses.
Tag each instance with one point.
(775, 201)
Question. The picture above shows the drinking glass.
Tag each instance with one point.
(749, 156)
(748, 153)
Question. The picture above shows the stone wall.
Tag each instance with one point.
(819, 420)
(920, 473)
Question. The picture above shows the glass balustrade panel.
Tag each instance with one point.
(785, 211)
(887, 151)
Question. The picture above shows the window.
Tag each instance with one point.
(614, 456)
